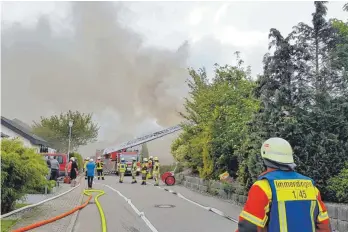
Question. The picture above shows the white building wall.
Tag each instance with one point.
(26, 142)
(13, 134)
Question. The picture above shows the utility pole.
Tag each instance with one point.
(70, 126)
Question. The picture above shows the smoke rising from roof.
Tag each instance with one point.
(99, 66)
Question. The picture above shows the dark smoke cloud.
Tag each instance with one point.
(98, 66)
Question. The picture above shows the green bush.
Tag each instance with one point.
(338, 186)
(22, 169)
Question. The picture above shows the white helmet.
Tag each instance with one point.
(145, 159)
(133, 158)
(151, 157)
(99, 157)
(122, 159)
(90, 160)
(278, 150)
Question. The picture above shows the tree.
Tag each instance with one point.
(216, 113)
(55, 130)
(144, 151)
(304, 99)
(22, 169)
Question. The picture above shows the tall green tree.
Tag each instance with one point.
(303, 100)
(216, 111)
(144, 151)
(55, 130)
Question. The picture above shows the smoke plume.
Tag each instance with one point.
(97, 67)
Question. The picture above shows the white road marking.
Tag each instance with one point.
(141, 214)
(214, 210)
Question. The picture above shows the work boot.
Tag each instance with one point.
(98, 178)
(156, 184)
(103, 178)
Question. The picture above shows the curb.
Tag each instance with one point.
(37, 204)
(75, 215)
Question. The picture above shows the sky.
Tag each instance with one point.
(126, 62)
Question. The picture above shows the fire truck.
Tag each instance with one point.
(112, 159)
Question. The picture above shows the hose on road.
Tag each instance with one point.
(101, 212)
(86, 192)
(44, 222)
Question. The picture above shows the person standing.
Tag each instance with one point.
(90, 169)
(74, 172)
(134, 170)
(282, 200)
(100, 166)
(144, 171)
(156, 171)
(48, 162)
(123, 167)
(84, 167)
(54, 168)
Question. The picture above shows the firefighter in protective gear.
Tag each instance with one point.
(134, 170)
(122, 169)
(100, 166)
(282, 200)
(85, 168)
(156, 171)
(144, 171)
(150, 168)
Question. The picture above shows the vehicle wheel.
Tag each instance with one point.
(170, 180)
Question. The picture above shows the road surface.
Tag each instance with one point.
(183, 216)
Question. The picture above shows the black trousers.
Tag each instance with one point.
(90, 181)
(54, 174)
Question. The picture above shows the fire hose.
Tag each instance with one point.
(50, 220)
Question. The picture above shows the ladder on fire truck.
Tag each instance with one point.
(143, 139)
(109, 166)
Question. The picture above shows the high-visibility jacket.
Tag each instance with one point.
(144, 168)
(85, 164)
(100, 165)
(156, 167)
(134, 166)
(123, 167)
(284, 201)
(149, 165)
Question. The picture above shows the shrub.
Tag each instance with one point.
(338, 186)
(22, 169)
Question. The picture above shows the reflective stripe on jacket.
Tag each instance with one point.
(100, 165)
(156, 167)
(123, 167)
(284, 201)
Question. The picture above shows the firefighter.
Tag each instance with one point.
(282, 199)
(85, 167)
(100, 165)
(156, 171)
(144, 171)
(134, 170)
(150, 166)
(122, 169)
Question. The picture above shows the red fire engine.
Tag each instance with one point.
(127, 154)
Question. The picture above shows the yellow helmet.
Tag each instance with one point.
(278, 150)
(155, 159)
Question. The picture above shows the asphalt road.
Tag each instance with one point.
(182, 216)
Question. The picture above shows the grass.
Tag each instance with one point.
(20, 205)
(6, 225)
